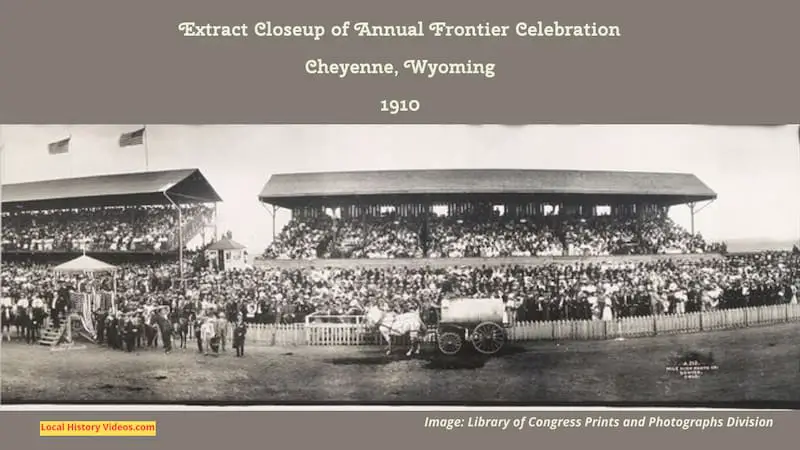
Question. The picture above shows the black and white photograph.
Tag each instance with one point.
(400, 264)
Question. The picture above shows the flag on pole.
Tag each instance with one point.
(59, 147)
(132, 138)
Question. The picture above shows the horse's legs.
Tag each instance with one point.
(416, 341)
(388, 339)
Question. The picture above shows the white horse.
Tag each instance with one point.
(392, 324)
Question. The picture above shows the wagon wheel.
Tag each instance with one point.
(488, 338)
(450, 343)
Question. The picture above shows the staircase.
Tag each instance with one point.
(52, 335)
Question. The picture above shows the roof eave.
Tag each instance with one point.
(286, 201)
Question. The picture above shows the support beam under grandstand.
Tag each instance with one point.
(180, 238)
(694, 212)
(273, 213)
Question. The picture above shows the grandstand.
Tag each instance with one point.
(333, 213)
(149, 213)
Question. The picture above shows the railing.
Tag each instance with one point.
(476, 262)
(314, 319)
(191, 228)
(320, 330)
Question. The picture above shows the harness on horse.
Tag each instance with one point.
(394, 318)
(382, 324)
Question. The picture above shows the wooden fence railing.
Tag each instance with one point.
(332, 334)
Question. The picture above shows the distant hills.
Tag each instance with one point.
(758, 245)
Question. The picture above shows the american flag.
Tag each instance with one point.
(59, 147)
(132, 138)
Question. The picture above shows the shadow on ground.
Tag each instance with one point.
(466, 359)
(735, 365)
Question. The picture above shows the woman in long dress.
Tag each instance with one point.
(607, 313)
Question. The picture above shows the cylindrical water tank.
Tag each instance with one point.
(472, 310)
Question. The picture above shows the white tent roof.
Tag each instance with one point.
(85, 263)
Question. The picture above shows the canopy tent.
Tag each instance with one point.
(84, 264)
(87, 264)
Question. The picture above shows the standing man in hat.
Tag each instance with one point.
(239, 333)
(100, 321)
(48, 299)
(62, 302)
(111, 330)
(198, 323)
(130, 334)
(165, 326)
(221, 326)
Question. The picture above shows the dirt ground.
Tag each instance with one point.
(760, 364)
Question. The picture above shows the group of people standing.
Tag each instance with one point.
(28, 315)
(211, 333)
(134, 330)
(141, 328)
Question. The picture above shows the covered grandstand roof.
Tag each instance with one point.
(296, 189)
(138, 188)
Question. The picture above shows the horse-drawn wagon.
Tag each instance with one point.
(481, 321)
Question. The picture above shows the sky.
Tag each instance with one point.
(754, 170)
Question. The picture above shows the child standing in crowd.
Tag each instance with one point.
(239, 333)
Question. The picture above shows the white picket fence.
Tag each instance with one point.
(321, 332)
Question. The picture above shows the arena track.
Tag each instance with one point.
(759, 364)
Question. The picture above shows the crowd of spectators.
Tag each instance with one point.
(482, 235)
(111, 229)
(300, 239)
(544, 292)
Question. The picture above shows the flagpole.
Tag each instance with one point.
(146, 149)
(71, 158)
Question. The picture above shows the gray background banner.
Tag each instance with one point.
(679, 61)
(390, 431)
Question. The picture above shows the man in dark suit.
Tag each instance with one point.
(100, 320)
(49, 300)
(131, 332)
(239, 333)
(62, 303)
(111, 331)
(197, 324)
(165, 326)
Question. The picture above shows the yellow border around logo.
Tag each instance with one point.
(64, 428)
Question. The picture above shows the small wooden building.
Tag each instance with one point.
(226, 254)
